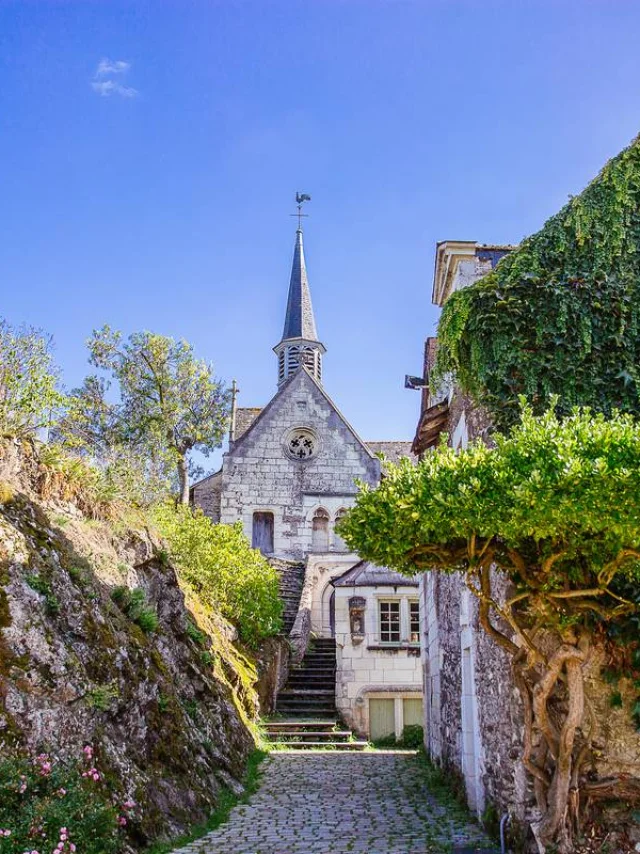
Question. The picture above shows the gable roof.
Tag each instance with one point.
(366, 574)
(283, 390)
(393, 451)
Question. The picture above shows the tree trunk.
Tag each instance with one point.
(183, 477)
(557, 766)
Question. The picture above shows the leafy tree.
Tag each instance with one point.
(170, 403)
(29, 394)
(555, 507)
(93, 429)
(561, 313)
(226, 573)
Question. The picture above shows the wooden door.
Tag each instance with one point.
(412, 712)
(262, 533)
(382, 719)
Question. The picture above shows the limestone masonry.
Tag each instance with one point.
(289, 474)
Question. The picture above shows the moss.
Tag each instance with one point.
(6, 492)
(5, 612)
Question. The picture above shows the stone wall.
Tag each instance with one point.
(365, 669)
(206, 495)
(259, 476)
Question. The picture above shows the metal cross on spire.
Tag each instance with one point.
(301, 198)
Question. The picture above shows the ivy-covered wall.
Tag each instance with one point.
(560, 315)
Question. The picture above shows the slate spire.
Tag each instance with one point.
(299, 345)
(299, 321)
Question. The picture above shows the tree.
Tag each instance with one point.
(561, 313)
(170, 403)
(226, 573)
(29, 394)
(555, 507)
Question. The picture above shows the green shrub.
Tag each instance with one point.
(134, 604)
(102, 696)
(226, 573)
(43, 587)
(195, 634)
(61, 805)
(412, 737)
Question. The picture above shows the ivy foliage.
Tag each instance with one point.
(560, 314)
(556, 504)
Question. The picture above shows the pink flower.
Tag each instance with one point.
(44, 763)
(88, 751)
(122, 820)
(129, 804)
(5, 833)
(61, 792)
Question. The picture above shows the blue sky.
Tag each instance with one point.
(153, 191)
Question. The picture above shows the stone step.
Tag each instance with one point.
(325, 745)
(307, 711)
(314, 735)
(311, 684)
(300, 724)
(311, 693)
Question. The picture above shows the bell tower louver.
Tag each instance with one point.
(299, 345)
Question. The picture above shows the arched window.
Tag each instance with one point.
(338, 543)
(320, 531)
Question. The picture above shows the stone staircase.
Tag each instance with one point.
(306, 707)
(291, 582)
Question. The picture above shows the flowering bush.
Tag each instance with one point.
(50, 808)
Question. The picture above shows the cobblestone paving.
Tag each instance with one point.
(326, 802)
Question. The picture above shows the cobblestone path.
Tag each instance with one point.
(326, 802)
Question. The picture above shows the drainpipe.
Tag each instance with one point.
(504, 821)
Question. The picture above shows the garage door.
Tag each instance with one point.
(381, 719)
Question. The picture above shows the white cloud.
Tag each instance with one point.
(105, 86)
(111, 87)
(107, 66)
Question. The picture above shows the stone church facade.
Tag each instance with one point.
(288, 475)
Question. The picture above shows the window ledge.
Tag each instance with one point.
(394, 647)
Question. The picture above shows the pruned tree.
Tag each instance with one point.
(29, 393)
(169, 402)
(554, 507)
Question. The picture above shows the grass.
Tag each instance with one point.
(226, 802)
(134, 604)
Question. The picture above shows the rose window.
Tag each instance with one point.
(302, 444)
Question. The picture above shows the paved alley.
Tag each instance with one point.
(327, 802)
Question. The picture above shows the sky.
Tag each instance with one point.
(150, 153)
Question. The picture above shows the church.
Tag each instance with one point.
(288, 475)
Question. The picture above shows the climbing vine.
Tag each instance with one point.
(560, 315)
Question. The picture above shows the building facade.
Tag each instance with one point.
(289, 474)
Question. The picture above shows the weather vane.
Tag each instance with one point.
(300, 199)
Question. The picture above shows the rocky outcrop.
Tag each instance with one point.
(164, 702)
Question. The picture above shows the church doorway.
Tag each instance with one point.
(262, 532)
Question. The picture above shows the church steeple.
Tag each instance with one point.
(299, 344)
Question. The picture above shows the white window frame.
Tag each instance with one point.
(390, 601)
(416, 602)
